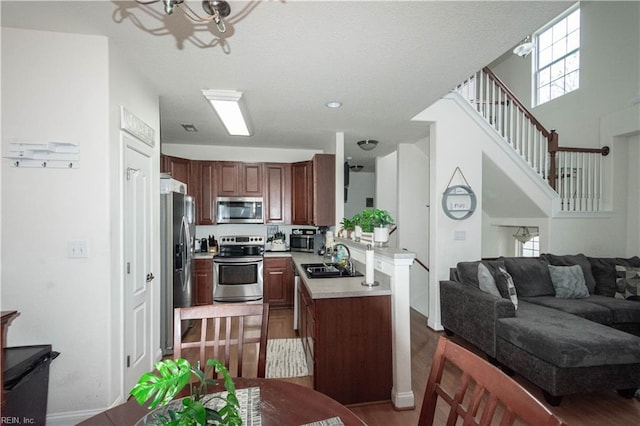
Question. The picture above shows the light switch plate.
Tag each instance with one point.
(459, 235)
(77, 249)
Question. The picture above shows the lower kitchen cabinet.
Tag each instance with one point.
(203, 281)
(278, 281)
(347, 342)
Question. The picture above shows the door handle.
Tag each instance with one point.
(150, 277)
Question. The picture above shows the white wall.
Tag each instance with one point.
(386, 197)
(413, 218)
(633, 208)
(609, 73)
(74, 304)
(55, 87)
(362, 185)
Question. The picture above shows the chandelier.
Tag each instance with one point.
(215, 10)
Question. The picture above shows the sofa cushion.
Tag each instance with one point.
(530, 276)
(566, 340)
(468, 271)
(578, 307)
(568, 281)
(505, 285)
(628, 281)
(622, 311)
(570, 260)
(486, 280)
(604, 272)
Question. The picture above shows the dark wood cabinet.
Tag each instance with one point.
(278, 281)
(239, 179)
(277, 192)
(348, 345)
(324, 189)
(302, 193)
(178, 168)
(313, 191)
(205, 176)
(203, 281)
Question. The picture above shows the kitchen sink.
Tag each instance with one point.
(328, 270)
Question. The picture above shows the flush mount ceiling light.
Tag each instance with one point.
(356, 167)
(215, 10)
(523, 235)
(368, 144)
(524, 48)
(229, 106)
(333, 104)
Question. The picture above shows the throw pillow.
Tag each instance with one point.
(530, 276)
(628, 281)
(568, 281)
(486, 281)
(574, 259)
(504, 282)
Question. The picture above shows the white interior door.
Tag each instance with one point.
(138, 268)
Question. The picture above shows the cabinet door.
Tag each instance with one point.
(250, 179)
(179, 168)
(324, 189)
(277, 192)
(206, 198)
(278, 281)
(203, 281)
(302, 193)
(228, 178)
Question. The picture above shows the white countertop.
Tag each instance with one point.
(202, 255)
(330, 288)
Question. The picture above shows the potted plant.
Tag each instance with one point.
(381, 222)
(348, 225)
(170, 377)
(357, 226)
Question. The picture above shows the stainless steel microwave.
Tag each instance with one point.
(239, 210)
(303, 243)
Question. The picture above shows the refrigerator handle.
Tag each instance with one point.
(187, 251)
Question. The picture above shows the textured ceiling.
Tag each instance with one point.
(385, 60)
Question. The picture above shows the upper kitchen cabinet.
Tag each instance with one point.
(178, 168)
(277, 192)
(313, 191)
(239, 179)
(204, 177)
(302, 193)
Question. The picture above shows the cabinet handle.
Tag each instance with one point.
(150, 277)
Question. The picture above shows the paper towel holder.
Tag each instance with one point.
(373, 284)
(365, 283)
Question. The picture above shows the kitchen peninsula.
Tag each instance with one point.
(356, 337)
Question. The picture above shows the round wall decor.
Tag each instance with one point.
(459, 202)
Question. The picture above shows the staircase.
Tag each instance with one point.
(574, 173)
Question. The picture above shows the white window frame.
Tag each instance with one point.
(568, 58)
(529, 249)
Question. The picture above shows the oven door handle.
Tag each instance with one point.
(243, 262)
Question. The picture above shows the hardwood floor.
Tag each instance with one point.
(593, 409)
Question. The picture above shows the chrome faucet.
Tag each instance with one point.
(348, 261)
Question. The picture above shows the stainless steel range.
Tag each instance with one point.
(238, 269)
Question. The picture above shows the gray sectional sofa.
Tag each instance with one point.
(576, 326)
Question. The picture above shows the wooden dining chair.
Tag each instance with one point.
(225, 330)
(479, 393)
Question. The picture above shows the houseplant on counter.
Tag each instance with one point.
(170, 377)
(375, 225)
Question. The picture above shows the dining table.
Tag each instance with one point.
(281, 404)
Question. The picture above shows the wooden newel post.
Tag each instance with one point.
(552, 148)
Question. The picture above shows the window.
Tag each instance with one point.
(529, 249)
(557, 60)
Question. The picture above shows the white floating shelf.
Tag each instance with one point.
(55, 155)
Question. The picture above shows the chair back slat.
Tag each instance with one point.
(225, 331)
(492, 392)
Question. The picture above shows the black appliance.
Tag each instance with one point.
(238, 269)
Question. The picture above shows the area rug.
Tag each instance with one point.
(285, 358)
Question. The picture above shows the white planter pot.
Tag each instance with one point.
(357, 233)
(381, 235)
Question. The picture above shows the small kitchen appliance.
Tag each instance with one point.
(301, 239)
(239, 210)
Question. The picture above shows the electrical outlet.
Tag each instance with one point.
(77, 249)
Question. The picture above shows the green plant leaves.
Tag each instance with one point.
(172, 376)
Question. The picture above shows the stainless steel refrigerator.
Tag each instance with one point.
(177, 236)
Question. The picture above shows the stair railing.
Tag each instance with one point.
(575, 173)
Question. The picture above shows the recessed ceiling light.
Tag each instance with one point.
(189, 127)
(333, 104)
